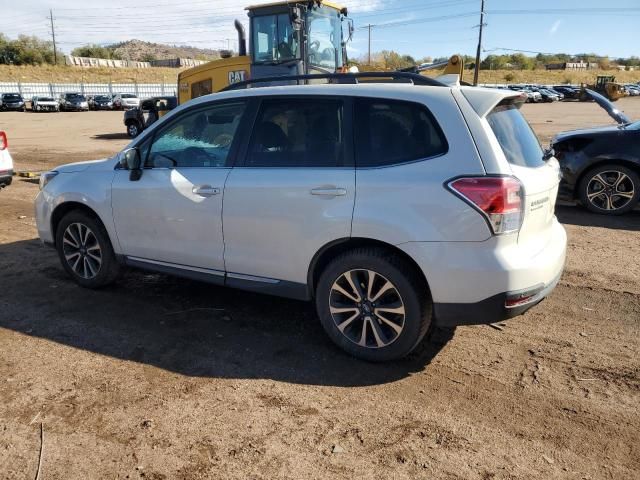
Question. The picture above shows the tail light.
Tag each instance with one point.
(4, 143)
(499, 199)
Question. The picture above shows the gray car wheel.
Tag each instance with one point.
(85, 250)
(133, 129)
(610, 189)
(373, 304)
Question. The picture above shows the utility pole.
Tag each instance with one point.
(369, 27)
(477, 66)
(53, 34)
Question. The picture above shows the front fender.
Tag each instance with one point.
(92, 189)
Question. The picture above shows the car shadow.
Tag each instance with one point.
(184, 326)
(578, 215)
(110, 136)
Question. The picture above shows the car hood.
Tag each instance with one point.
(82, 166)
(609, 107)
(585, 131)
(46, 102)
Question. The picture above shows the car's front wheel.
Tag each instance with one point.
(610, 189)
(373, 304)
(85, 250)
(133, 129)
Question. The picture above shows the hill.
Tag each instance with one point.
(64, 74)
(138, 50)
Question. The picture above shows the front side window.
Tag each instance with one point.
(298, 133)
(199, 139)
(390, 132)
(519, 144)
(325, 38)
(274, 39)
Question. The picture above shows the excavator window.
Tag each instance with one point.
(274, 39)
(325, 38)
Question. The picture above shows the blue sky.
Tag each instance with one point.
(417, 27)
(611, 33)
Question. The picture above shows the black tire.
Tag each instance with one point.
(409, 286)
(611, 172)
(108, 269)
(133, 129)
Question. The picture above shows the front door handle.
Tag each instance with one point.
(329, 191)
(205, 190)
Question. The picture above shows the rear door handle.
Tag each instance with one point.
(329, 191)
(205, 190)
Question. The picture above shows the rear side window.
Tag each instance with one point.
(519, 144)
(389, 132)
(298, 133)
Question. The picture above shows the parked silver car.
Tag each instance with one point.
(392, 206)
(125, 101)
(44, 104)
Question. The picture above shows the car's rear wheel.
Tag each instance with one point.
(85, 250)
(373, 304)
(610, 189)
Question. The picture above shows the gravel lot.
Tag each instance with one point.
(162, 378)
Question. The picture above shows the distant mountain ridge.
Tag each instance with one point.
(141, 51)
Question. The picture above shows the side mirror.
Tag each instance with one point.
(133, 163)
(548, 153)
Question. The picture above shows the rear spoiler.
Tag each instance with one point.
(483, 100)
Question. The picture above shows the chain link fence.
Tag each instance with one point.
(141, 90)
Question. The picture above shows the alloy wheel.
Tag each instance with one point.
(367, 308)
(610, 190)
(82, 250)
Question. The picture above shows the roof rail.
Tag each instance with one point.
(339, 78)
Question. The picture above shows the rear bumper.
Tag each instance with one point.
(493, 309)
(6, 177)
(484, 282)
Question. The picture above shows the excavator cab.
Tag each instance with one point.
(297, 38)
(287, 37)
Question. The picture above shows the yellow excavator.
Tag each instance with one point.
(452, 69)
(605, 85)
(294, 37)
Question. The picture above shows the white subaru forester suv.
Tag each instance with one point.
(392, 205)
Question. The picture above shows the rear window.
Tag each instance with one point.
(389, 132)
(519, 144)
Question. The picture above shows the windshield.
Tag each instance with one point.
(45, 99)
(128, 95)
(274, 39)
(102, 98)
(519, 144)
(325, 38)
(11, 96)
(75, 97)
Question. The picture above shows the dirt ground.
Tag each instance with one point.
(162, 378)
